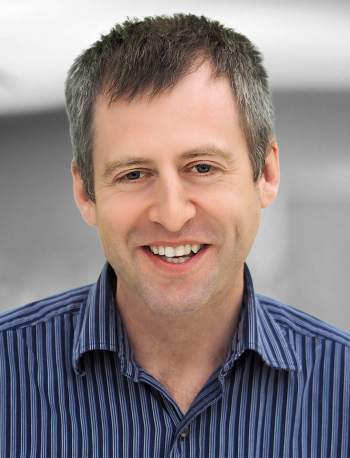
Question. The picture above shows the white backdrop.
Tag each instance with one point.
(305, 42)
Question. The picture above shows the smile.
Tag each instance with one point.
(178, 254)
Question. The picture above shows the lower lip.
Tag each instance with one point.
(179, 267)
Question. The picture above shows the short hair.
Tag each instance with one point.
(154, 55)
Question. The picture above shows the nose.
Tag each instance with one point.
(172, 207)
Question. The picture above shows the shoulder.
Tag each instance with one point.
(40, 311)
(301, 323)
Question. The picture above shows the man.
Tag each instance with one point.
(171, 353)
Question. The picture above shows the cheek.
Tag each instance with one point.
(242, 217)
(118, 219)
(118, 212)
(110, 226)
(251, 218)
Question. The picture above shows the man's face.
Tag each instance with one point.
(171, 172)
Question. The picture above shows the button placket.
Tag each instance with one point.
(185, 431)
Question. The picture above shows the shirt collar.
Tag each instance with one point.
(99, 327)
(96, 327)
(258, 331)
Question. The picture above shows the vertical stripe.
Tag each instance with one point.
(35, 411)
(14, 392)
(45, 437)
(23, 393)
(254, 406)
(85, 421)
(5, 382)
(345, 449)
(99, 376)
(260, 433)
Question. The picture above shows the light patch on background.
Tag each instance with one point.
(305, 44)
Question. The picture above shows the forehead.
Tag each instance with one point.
(198, 110)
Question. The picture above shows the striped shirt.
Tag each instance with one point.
(70, 387)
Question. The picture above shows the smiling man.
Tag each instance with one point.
(171, 353)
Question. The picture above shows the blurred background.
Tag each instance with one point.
(302, 251)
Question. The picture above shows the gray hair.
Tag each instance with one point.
(154, 55)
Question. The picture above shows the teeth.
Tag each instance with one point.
(195, 248)
(181, 250)
(177, 260)
(169, 251)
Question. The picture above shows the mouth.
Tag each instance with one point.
(176, 255)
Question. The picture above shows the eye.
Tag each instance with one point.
(135, 175)
(203, 168)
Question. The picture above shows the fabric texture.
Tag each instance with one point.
(70, 387)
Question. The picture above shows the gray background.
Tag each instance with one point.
(302, 252)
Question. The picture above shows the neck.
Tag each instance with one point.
(182, 352)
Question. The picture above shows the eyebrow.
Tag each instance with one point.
(208, 151)
(117, 164)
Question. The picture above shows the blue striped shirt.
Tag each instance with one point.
(70, 386)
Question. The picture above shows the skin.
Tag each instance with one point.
(180, 318)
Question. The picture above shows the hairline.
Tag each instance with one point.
(246, 75)
(150, 94)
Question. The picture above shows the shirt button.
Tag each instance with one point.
(185, 432)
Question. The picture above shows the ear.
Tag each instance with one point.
(86, 206)
(268, 185)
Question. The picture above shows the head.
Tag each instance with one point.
(152, 56)
(173, 127)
